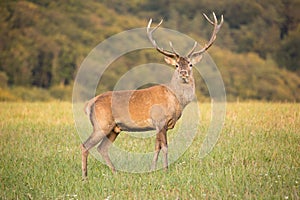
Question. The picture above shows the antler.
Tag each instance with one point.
(173, 54)
(212, 39)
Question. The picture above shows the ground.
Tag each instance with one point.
(256, 157)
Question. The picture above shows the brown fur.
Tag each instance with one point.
(145, 108)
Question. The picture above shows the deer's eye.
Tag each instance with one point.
(190, 65)
(177, 65)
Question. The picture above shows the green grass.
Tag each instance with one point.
(256, 157)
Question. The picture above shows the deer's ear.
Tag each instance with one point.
(196, 59)
(170, 61)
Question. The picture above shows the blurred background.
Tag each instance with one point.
(43, 43)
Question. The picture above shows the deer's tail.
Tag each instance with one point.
(89, 110)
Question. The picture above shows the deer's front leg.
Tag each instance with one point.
(157, 150)
(164, 148)
(161, 144)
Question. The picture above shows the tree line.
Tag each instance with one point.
(43, 42)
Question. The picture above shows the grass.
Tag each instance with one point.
(256, 157)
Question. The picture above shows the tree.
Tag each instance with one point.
(289, 52)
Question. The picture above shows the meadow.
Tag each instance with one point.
(257, 156)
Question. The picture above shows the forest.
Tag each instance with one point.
(43, 43)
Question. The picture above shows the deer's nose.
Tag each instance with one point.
(184, 73)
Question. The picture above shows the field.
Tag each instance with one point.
(257, 156)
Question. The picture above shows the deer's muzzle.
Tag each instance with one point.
(184, 75)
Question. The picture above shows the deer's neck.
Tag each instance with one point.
(185, 92)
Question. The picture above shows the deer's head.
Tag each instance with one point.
(184, 64)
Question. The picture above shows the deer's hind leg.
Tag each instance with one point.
(104, 147)
(92, 141)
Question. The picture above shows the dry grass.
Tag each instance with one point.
(256, 157)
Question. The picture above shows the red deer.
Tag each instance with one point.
(154, 108)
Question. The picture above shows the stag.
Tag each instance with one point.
(154, 108)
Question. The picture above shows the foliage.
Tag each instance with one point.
(288, 54)
(32, 94)
(61, 92)
(43, 43)
(46, 42)
(35, 94)
(3, 80)
(252, 26)
(264, 81)
(6, 95)
(256, 157)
